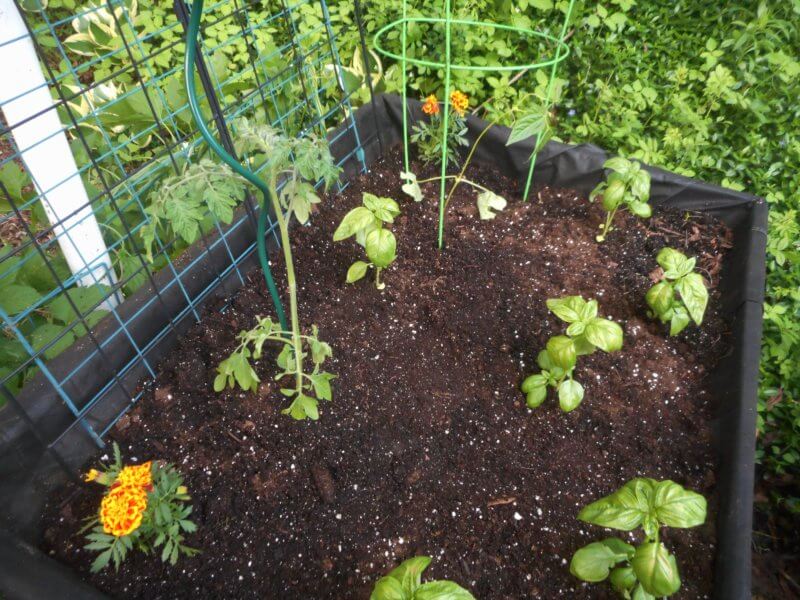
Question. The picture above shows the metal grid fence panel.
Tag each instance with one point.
(114, 74)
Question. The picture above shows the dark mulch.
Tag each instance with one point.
(427, 447)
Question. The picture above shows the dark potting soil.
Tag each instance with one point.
(428, 447)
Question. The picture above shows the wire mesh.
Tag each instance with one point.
(114, 71)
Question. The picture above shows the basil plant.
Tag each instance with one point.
(586, 333)
(649, 570)
(681, 296)
(628, 186)
(366, 224)
(405, 583)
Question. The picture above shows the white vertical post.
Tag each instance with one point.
(25, 98)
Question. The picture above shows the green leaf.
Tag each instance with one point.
(593, 562)
(101, 561)
(16, 298)
(625, 509)
(623, 579)
(671, 261)
(84, 298)
(409, 572)
(640, 594)
(322, 385)
(384, 209)
(679, 320)
(442, 590)
(604, 333)
(640, 209)
(656, 569)
(571, 308)
(561, 351)
(45, 334)
(659, 297)
(411, 187)
(381, 247)
(533, 123)
(489, 202)
(388, 588)
(535, 396)
(533, 381)
(570, 395)
(676, 506)
(694, 294)
(357, 219)
(614, 194)
(621, 165)
(357, 271)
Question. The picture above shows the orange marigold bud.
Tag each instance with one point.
(431, 105)
(122, 509)
(460, 102)
(91, 475)
(138, 476)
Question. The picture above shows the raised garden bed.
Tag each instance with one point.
(428, 447)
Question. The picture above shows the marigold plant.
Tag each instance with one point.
(428, 134)
(144, 507)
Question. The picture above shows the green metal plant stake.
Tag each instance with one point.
(561, 53)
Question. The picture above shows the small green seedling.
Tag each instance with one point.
(309, 387)
(648, 570)
(681, 295)
(586, 333)
(366, 224)
(405, 583)
(628, 185)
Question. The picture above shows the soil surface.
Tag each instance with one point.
(428, 447)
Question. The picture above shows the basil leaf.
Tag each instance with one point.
(594, 562)
(570, 395)
(625, 509)
(613, 195)
(659, 297)
(385, 209)
(535, 396)
(656, 569)
(388, 588)
(676, 506)
(640, 209)
(567, 309)
(680, 319)
(621, 165)
(357, 219)
(357, 271)
(442, 590)
(640, 594)
(533, 381)
(694, 294)
(670, 260)
(561, 351)
(381, 247)
(583, 346)
(409, 573)
(604, 333)
(623, 579)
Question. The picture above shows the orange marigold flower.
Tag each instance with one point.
(91, 475)
(431, 105)
(136, 475)
(122, 509)
(460, 102)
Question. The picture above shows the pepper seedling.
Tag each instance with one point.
(366, 224)
(648, 570)
(405, 583)
(586, 333)
(628, 186)
(681, 295)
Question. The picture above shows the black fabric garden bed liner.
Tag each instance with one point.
(735, 379)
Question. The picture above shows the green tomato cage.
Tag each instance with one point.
(451, 25)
